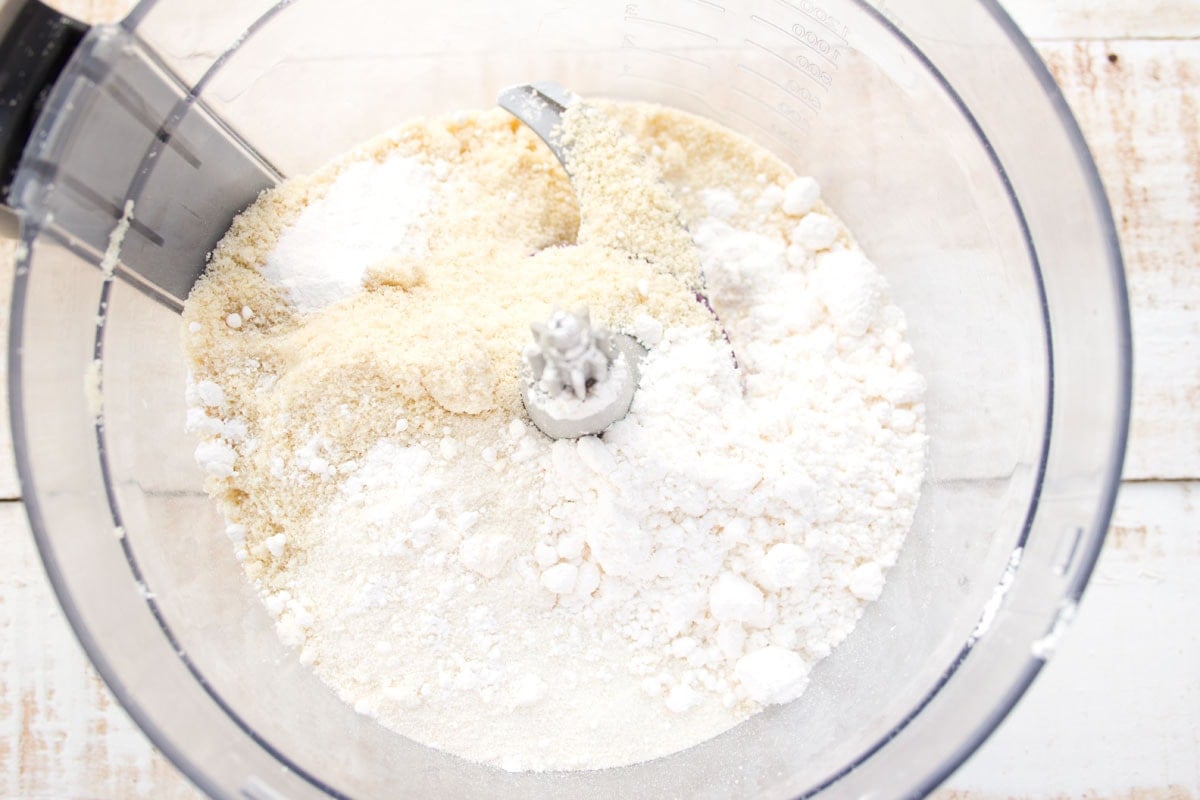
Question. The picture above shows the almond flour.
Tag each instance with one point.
(570, 604)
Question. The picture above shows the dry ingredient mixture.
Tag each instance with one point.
(555, 604)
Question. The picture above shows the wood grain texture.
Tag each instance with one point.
(1106, 19)
(1138, 105)
(93, 11)
(1115, 715)
(1116, 712)
(61, 733)
(10, 487)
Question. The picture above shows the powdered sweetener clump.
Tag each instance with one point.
(570, 604)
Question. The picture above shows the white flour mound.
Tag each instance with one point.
(579, 604)
(372, 211)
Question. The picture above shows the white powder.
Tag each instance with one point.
(93, 387)
(725, 564)
(216, 458)
(849, 286)
(800, 196)
(370, 213)
(93, 375)
(569, 604)
(112, 253)
(772, 675)
(1047, 645)
(992, 607)
(815, 232)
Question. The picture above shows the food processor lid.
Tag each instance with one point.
(110, 154)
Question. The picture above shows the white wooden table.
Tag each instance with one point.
(1116, 714)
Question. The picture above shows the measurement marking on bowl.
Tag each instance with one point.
(130, 100)
(50, 173)
(629, 72)
(785, 136)
(782, 136)
(632, 17)
(820, 16)
(792, 115)
(793, 88)
(628, 43)
(811, 41)
(802, 65)
(830, 51)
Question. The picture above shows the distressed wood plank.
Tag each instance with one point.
(1139, 109)
(1116, 713)
(101, 10)
(62, 736)
(1095, 725)
(61, 733)
(1140, 120)
(1106, 19)
(1062, 19)
(93, 11)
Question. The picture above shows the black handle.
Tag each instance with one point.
(35, 45)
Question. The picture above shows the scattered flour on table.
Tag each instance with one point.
(567, 604)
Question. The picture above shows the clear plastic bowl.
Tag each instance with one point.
(938, 136)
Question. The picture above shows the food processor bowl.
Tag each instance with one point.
(938, 137)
